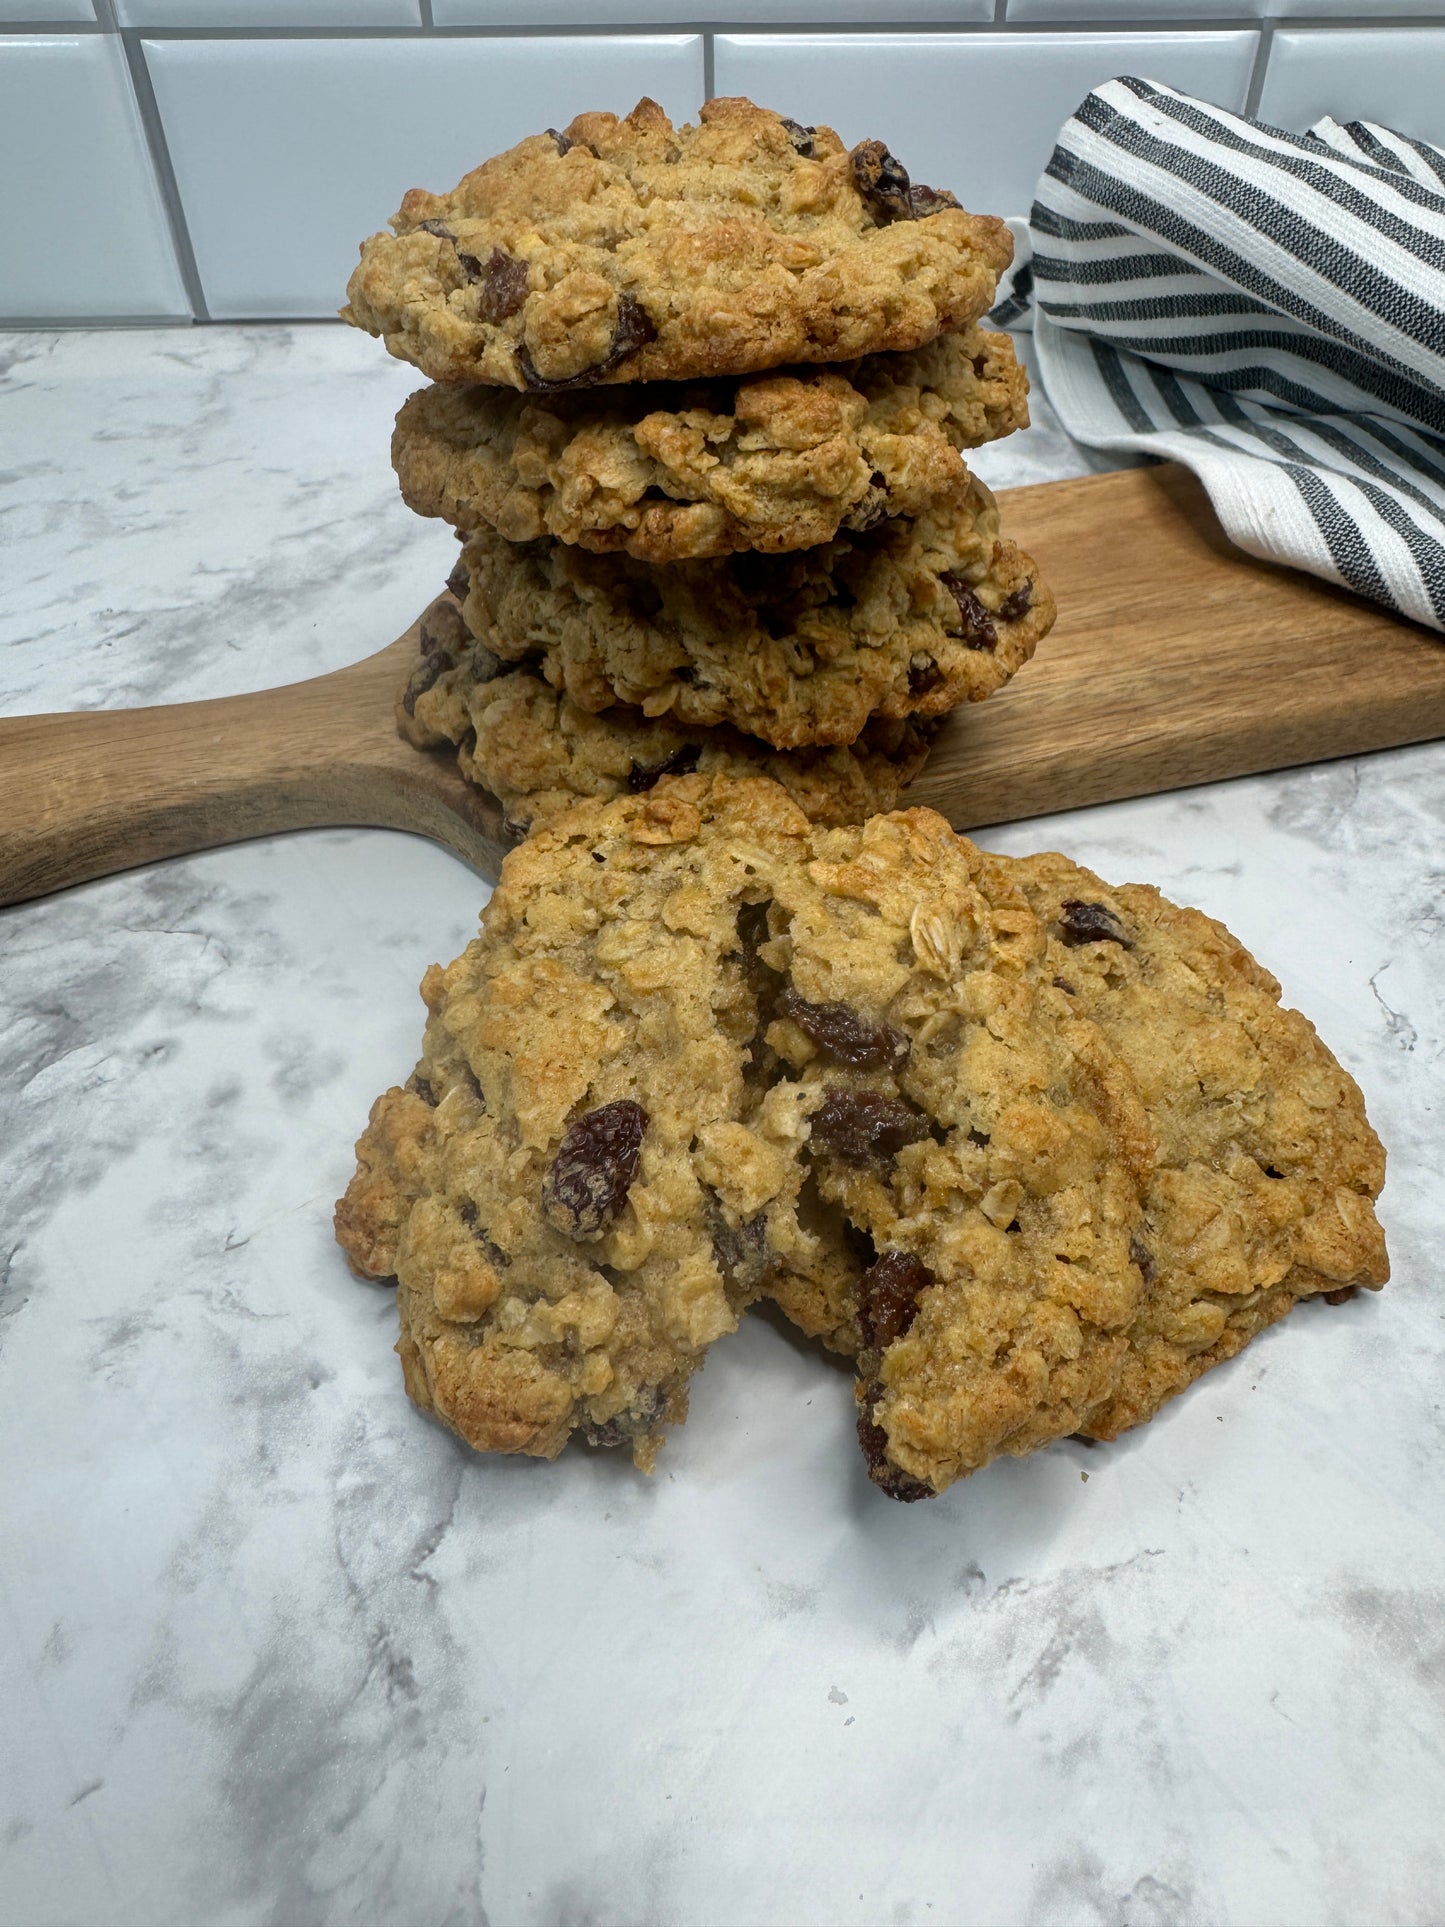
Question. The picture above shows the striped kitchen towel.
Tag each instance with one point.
(1268, 308)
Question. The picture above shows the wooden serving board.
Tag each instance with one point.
(1176, 659)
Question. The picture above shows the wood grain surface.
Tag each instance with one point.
(1176, 660)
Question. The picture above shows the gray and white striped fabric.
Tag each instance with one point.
(1268, 308)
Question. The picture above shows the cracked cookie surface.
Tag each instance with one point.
(771, 462)
(1268, 1170)
(701, 1043)
(1035, 1150)
(631, 250)
(534, 749)
(912, 618)
(1263, 1184)
(978, 1147)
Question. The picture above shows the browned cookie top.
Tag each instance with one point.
(631, 250)
(768, 462)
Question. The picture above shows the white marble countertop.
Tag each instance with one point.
(276, 1650)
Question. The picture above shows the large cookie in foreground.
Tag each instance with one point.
(539, 754)
(911, 619)
(635, 251)
(574, 1188)
(768, 462)
(1266, 1170)
(977, 1145)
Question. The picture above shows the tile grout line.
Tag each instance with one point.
(164, 172)
(1257, 72)
(1202, 22)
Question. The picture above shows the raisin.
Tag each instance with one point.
(439, 229)
(1018, 604)
(440, 634)
(761, 979)
(888, 1296)
(741, 1251)
(633, 331)
(840, 1033)
(1340, 1297)
(423, 1089)
(883, 183)
(753, 931)
(635, 1421)
(923, 676)
(1090, 923)
(564, 146)
(642, 776)
(1143, 1257)
(593, 1170)
(504, 283)
(801, 137)
(459, 581)
(978, 630)
(434, 663)
(471, 1218)
(865, 1127)
(929, 200)
(441, 627)
(867, 514)
(887, 1476)
(634, 328)
(871, 508)
(1062, 983)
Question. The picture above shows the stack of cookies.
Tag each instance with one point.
(698, 402)
(1033, 1150)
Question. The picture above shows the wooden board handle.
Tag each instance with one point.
(103, 790)
(85, 795)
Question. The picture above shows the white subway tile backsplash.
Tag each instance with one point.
(288, 153)
(737, 13)
(1359, 10)
(1393, 75)
(978, 113)
(38, 13)
(82, 228)
(1144, 13)
(268, 13)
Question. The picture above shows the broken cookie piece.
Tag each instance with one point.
(581, 1184)
(1258, 1190)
